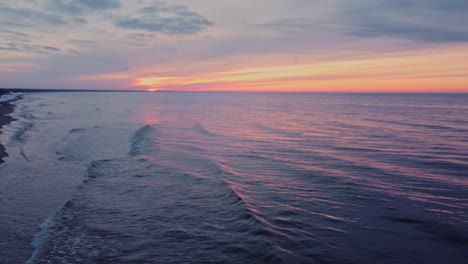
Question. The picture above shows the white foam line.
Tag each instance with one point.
(40, 239)
(9, 96)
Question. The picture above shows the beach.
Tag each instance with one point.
(6, 108)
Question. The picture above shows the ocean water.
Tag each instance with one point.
(235, 178)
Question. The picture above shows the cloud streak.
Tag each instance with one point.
(166, 19)
(430, 21)
(81, 6)
(418, 20)
(28, 17)
(29, 48)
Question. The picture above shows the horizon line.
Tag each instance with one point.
(32, 90)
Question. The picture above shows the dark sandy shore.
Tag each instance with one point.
(5, 109)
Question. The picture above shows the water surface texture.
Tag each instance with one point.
(236, 178)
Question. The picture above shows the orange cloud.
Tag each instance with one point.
(429, 70)
(152, 81)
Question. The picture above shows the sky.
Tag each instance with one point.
(229, 45)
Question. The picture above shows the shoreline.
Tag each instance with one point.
(6, 108)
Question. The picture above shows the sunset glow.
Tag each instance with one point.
(250, 51)
(431, 70)
(151, 82)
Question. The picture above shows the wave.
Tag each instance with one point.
(127, 207)
(279, 131)
(24, 124)
(429, 126)
(62, 238)
(19, 135)
(76, 130)
(141, 141)
(202, 130)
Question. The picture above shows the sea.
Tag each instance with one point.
(187, 177)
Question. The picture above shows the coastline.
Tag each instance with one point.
(6, 108)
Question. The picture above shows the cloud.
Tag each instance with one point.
(50, 48)
(410, 31)
(100, 4)
(83, 43)
(458, 6)
(15, 21)
(14, 33)
(21, 47)
(28, 17)
(164, 18)
(14, 36)
(418, 20)
(288, 25)
(80, 6)
(297, 25)
(94, 61)
(79, 21)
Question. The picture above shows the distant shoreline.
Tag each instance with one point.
(33, 90)
(29, 90)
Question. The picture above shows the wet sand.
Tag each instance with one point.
(5, 109)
